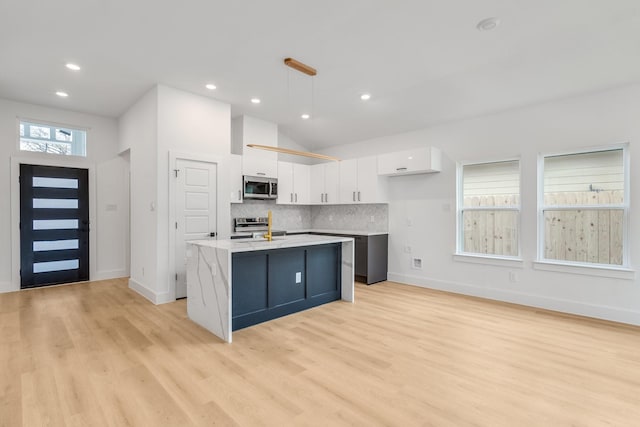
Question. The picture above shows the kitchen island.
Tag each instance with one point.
(233, 284)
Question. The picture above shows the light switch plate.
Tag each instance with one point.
(299, 277)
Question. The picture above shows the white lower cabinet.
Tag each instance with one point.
(293, 184)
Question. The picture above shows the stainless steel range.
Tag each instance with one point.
(254, 225)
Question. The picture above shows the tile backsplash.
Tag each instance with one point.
(285, 217)
(369, 217)
(335, 217)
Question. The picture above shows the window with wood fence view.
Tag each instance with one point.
(583, 212)
(490, 213)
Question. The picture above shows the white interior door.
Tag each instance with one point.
(195, 200)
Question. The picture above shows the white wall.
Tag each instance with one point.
(166, 124)
(138, 129)
(196, 127)
(102, 148)
(422, 207)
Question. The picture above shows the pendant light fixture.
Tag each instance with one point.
(310, 71)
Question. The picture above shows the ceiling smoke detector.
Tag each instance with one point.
(488, 24)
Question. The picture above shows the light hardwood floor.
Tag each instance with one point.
(99, 354)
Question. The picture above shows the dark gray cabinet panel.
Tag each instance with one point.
(264, 287)
(284, 266)
(371, 256)
(322, 262)
(249, 292)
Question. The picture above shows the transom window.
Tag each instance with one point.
(489, 209)
(52, 139)
(583, 208)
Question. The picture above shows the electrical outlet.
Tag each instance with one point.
(416, 263)
(373, 218)
(513, 276)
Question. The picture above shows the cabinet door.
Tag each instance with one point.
(235, 177)
(256, 166)
(301, 184)
(285, 183)
(316, 195)
(348, 181)
(331, 182)
(367, 171)
(287, 281)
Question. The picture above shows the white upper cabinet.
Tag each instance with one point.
(410, 162)
(293, 184)
(360, 183)
(247, 130)
(235, 178)
(324, 183)
(255, 166)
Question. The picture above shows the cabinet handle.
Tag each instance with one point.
(260, 173)
(291, 196)
(354, 196)
(401, 169)
(296, 197)
(239, 195)
(358, 196)
(326, 197)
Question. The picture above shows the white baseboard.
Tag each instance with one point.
(156, 298)
(8, 287)
(110, 274)
(555, 304)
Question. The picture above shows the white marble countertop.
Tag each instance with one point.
(248, 245)
(323, 230)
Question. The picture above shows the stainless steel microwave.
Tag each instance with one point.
(256, 187)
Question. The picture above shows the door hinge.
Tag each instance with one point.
(176, 277)
(176, 171)
(176, 225)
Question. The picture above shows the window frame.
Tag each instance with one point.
(53, 125)
(541, 207)
(460, 209)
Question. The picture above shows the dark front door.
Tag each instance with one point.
(54, 225)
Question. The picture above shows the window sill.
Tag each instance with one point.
(587, 270)
(489, 260)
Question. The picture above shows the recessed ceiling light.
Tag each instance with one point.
(488, 24)
(255, 100)
(305, 116)
(210, 86)
(62, 94)
(73, 67)
(365, 96)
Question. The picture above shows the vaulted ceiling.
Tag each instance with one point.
(423, 62)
